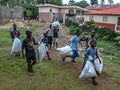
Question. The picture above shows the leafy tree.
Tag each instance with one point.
(94, 2)
(110, 2)
(71, 2)
(82, 4)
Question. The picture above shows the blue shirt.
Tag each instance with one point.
(74, 42)
(14, 33)
(92, 52)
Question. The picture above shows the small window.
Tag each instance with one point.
(50, 10)
(118, 23)
(105, 19)
(91, 18)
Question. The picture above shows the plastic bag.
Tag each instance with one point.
(55, 24)
(98, 65)
(65, 51)
(17, 46)
(88, 70)
(42, 51)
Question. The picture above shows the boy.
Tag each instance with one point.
(14, 33)
(50, 36)
(89, 38)
(74, 45)
(91, 52)
(28, 45)
(55, 36)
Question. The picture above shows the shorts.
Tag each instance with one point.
(75, 54)
(29, 59)
(55, 40)
(49, 39)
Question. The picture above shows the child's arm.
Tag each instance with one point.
(35, 43)
(23, 46)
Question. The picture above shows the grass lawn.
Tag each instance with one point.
(54, 76)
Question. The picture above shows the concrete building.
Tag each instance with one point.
(48, 12)
(106, 18)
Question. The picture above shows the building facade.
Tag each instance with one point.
(49, 13)
(105, 18)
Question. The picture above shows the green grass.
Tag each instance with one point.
(50, 75)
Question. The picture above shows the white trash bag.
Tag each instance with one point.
(88, 70)
(98, 65)
(42, 51)
(65, 51)
(17, 46)
(55, 24)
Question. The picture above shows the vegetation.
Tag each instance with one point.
(50, 75)
(93, 2)
(82, 4)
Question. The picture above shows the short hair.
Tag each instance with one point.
(78, 31)
(28, 31)
(92, 41)
(14, 24)
(93, 31)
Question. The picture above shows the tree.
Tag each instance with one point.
(110, 2)
(56, 2)
(102, 2)
(71, 2)
(94, 2)
(82, 4)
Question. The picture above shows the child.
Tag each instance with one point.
(14, 33)
(46, 46)
(74, 45)
(28, 45)
(91, 52)
(50, 36)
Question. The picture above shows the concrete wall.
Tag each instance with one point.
(7, 13)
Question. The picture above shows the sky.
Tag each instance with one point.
(106, 1)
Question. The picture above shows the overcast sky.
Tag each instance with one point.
(106, 1)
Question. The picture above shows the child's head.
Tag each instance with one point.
(14, 26)
(77, 32)
(93, 33)
(93, 43)
(28, 33)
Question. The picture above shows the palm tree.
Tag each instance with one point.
(110, 2)
(102, 2)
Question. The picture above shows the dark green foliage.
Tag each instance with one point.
(94, 2)
(73, 30)
(69, 23)
(82, 4)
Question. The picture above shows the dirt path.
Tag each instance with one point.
(105, 82)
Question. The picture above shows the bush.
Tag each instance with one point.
(73, 30)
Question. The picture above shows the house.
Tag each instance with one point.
(106, 18)
(49, 12)
(101, 7)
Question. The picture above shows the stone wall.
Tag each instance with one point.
(6, 14)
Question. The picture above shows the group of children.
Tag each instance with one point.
(51, 37)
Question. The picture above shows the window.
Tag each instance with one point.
(105, 19)
(91, 18)
(78, 12)
(50, 10)
(118, 23)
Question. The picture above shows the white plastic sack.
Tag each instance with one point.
(88, 70)
(17, 46)
(65, 51)
(55, 24)
(98, 65)
(42, 51)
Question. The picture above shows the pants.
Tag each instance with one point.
(31, 61)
